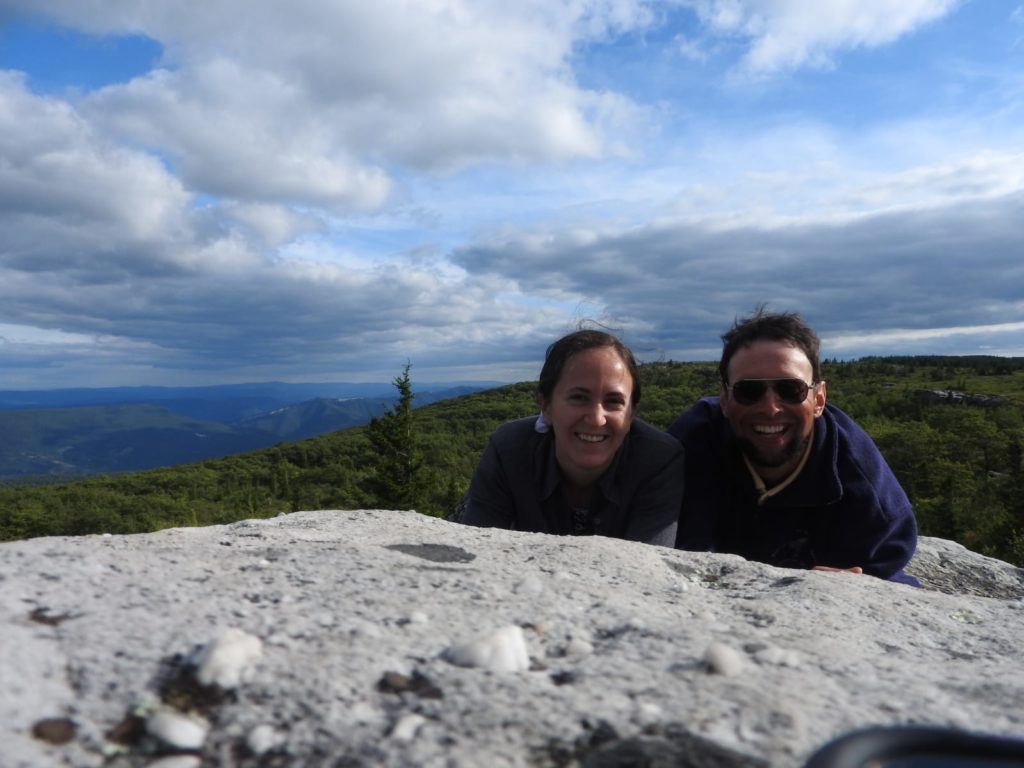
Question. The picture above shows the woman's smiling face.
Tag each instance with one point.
(590, 411)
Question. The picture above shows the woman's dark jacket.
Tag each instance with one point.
(517, 485)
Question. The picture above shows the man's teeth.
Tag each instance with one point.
(774, 430)
(590, 438)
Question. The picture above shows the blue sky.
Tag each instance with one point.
(325, 190)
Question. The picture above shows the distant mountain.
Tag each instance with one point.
(226, 403)
(314, 417)
(62, 442)
(114, 438)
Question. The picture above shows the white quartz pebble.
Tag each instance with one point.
(405, 729)
(723, 659)
(263, 738)
(176, 761)
(228, 660)
(504, 650)
(578, 647)
(178, 730)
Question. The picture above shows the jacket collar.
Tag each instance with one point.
(818, 481)
(545, 466)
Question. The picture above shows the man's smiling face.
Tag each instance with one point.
(772, 433)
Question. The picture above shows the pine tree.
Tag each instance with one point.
(397, 476)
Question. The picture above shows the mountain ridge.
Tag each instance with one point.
(48, 444)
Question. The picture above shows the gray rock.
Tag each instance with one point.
(946, 566)
(98, 632)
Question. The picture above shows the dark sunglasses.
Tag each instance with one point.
(789, 391)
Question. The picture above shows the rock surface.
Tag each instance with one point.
(371, 638)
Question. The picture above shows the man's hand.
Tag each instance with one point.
(855, 569)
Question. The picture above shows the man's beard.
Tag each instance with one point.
(775, 459)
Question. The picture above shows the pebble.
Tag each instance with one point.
(648, 713)
(504, 650)
(264, 738)
(178, 730)
(55, 730)
(176, 761)
(723, 659)
(577, 647)
(229, 658)
(405, 729)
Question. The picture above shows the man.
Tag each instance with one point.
(776, 475)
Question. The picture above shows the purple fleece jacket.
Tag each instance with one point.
(845, 509)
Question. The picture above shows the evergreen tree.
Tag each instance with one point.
(397, 474)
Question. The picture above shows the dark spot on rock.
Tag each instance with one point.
(662, 752)
(599, 730)
(685, 667)
(177, 685)
(760, 619)
(961, 655)
(54, 730)
(787, 581)
(436, 553)
(563, 677)
(610, 633)
(683, 568)
(418, 685)
(129, 731)
(42, 616)
(672, 747)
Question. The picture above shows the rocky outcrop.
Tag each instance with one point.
(390, 638)
(946, 566)
(952, 397)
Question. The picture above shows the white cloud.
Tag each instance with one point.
(114, 204)
(319, 187)
(321, 101)
(894, 337)
(788, 34)
(271, 225)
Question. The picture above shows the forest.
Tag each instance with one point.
(952, 429)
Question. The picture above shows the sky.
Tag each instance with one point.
(326, 190)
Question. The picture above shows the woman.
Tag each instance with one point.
(585, 465)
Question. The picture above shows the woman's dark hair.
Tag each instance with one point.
(558, 355)
(770, 326)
